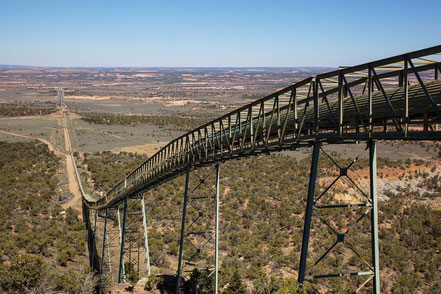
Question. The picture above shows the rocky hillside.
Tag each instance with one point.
(262, 208)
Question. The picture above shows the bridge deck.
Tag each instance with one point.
(393, 98)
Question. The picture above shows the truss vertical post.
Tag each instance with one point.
(181, 242)
(146, 240)
(120, 234)
(121, 273)
(370, 90)
(406, 95)
(436, 78)
(374, 215)
(216, 248)
(295, 111)
(309, 211)
(340, 103)
(400, 79)
(103, 251)
(316, 104)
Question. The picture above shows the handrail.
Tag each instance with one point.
(263, 124)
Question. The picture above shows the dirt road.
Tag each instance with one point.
(74, 202)
(49, 144)
(74, 186)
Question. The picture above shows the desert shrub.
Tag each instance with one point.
(24, 272)
(151, 283)
(74, 281)
(14, 109)
(168, 122)
(32, 229)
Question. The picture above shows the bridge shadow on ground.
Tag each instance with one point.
(167, 284)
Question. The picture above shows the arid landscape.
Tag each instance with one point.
(220, 147)
(193, 94)
(114, 119)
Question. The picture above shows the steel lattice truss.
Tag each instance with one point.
(109, 245)
(124, 252)
(352, 212)
(393, 98)
(397, 98)
(199, 228)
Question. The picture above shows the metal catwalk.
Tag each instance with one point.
(397, 98)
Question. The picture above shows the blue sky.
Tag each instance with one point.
(213, 33)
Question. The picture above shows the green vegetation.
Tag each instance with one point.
(37, 239)
(410, 247)
(177, 123)
(262, 222)
(109, 168)
(151, 283)
(14, 109)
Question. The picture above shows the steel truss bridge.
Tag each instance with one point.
(396, 98)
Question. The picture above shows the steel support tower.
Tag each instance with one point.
(198, 228)
(362, 206)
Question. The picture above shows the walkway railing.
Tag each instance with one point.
(393, 98)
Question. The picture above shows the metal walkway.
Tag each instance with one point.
(397, 98)
(368, 101)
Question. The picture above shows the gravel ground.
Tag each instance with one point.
(95, 137)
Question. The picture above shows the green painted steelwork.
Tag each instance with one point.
(374, 215)
(286, 120)
(358, 103)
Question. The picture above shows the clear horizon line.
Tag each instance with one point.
(141, 67)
